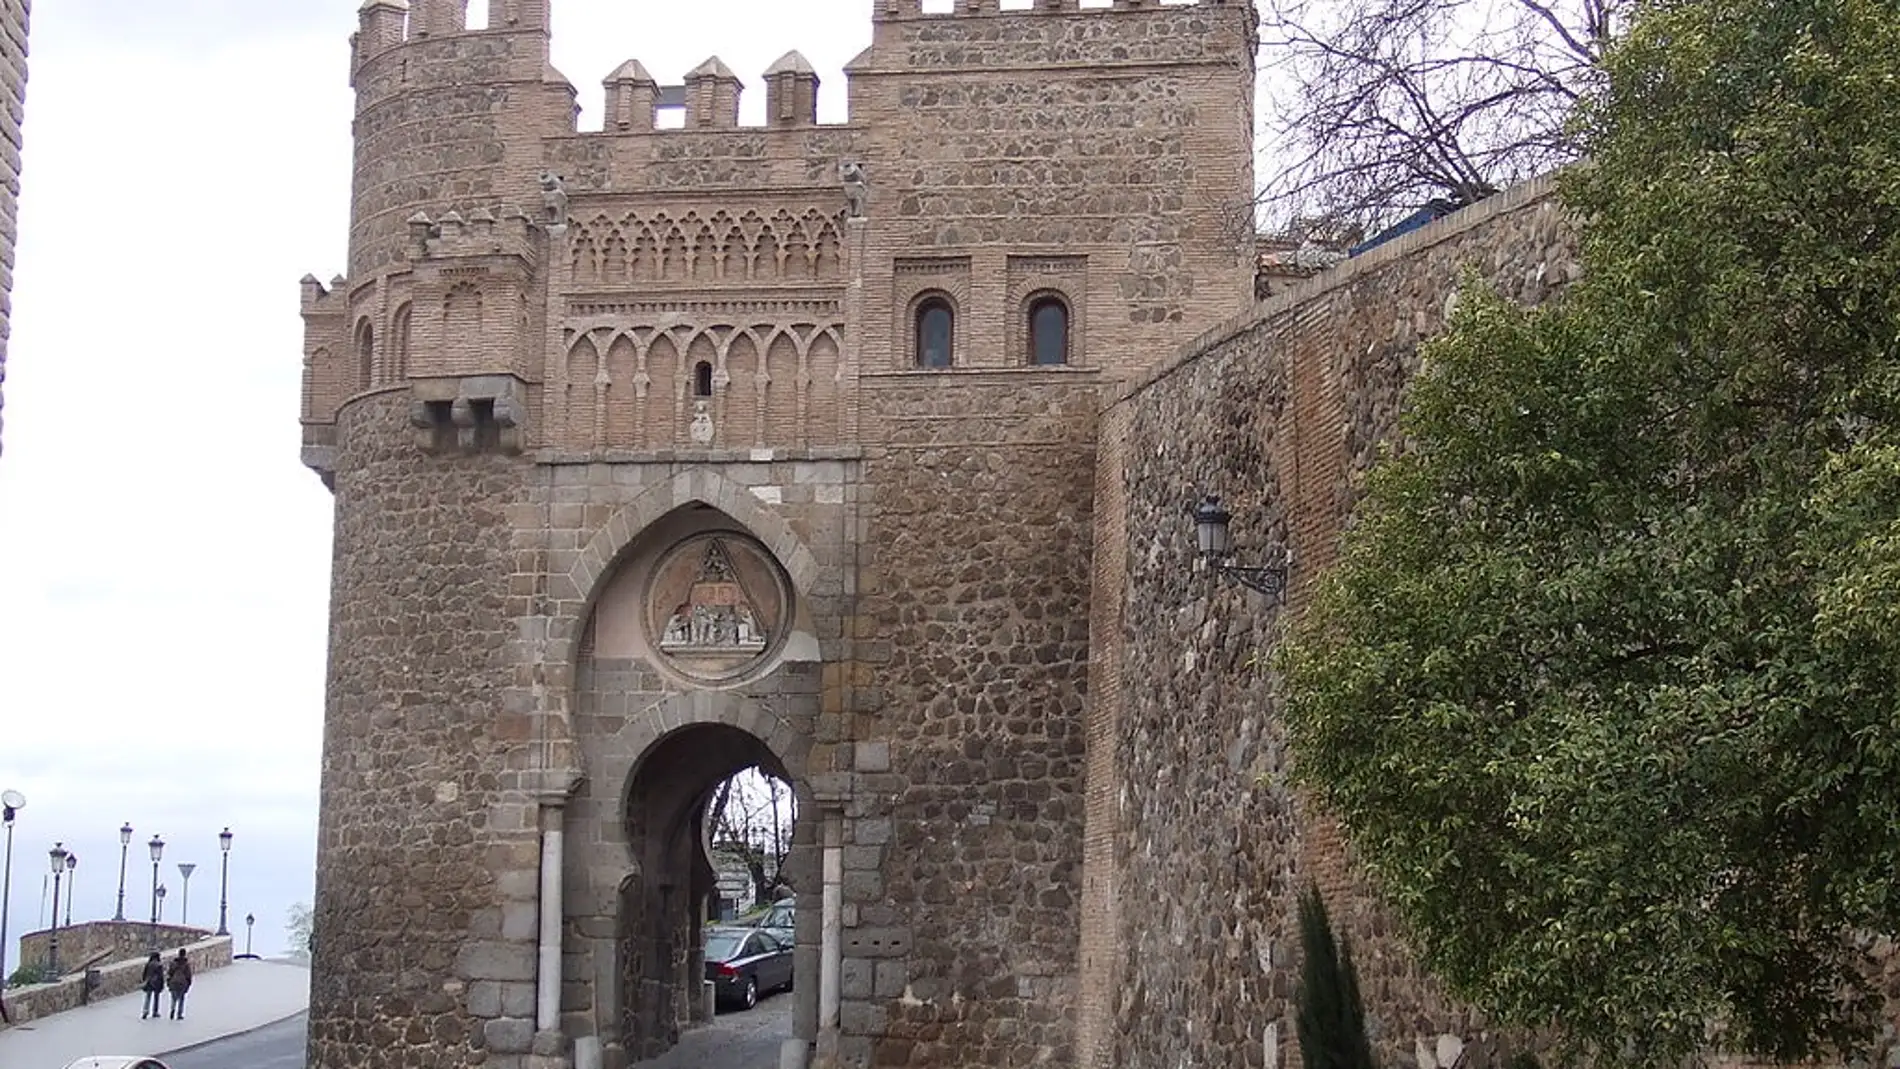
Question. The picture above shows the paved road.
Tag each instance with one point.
(735, 1040)
(747, 1039)
(277, 1046)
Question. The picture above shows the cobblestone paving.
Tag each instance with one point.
(744, 1039)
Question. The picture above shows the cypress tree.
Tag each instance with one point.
(1332, 1019)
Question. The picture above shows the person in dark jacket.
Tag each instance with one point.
(152, 983)
(178, 978)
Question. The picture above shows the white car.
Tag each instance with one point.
(116, 1061)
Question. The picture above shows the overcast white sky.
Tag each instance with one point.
(164, 558)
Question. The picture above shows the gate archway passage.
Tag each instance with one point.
(662, 901)
(698, 661)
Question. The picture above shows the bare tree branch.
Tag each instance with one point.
(1379, 107)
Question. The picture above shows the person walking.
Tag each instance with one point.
(152, 983)
(178, 978)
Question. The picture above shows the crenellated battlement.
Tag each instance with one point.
(386, 24)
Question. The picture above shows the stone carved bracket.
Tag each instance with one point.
(477, 414)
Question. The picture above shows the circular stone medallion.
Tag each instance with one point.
(716, 607)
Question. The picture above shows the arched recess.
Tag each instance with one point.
(698, 486)
(399, 343)
(365, 354)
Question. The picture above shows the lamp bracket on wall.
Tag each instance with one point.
(1210, 523)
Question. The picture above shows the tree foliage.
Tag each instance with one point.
(1381, 106)
(1606, 688)
(1332, 1017)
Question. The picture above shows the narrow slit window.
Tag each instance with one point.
(702, 379)
(936, 333)
(1048, 332)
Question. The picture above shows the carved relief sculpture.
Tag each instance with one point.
(856, 188)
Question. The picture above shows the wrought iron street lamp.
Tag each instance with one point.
(58, 856)
(157, 847)
(1210, 524)
(162, 892)
(125, 843)
(250, 920)
(13, 801)
(224, 881)
(72, 881)
(185, 869)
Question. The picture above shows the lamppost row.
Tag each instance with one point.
(12, 802)
(58, 857)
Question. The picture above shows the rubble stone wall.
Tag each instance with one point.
(964, 850)
(1279, 414)
(427, 854)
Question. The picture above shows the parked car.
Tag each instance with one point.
(744, 963)
(777, 919)
(116, 1061)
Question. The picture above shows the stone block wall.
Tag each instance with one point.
(118, 940)
(120, 978)
(1200, 845)
(14, 17)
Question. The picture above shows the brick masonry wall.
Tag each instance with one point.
(1279, 413)
(14, 17)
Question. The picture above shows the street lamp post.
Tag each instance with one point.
(185, 869)
(125, 843)
(224, 881)
(13, 801)
(72, 881)
(58, 856)
(157, 847)
(250, 919)
(162, 892)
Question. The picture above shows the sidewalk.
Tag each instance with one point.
(237, 998)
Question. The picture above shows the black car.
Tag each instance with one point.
(744, 963)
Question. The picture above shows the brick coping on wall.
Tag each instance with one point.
(35, 1001)
(1406, 245)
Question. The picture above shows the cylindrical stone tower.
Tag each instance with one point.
(428, 850)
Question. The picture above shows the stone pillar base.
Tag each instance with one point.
(549, 1052)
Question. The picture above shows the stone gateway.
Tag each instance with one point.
(659, 453)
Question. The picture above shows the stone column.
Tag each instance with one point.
(547, 988)
(831, 951)
(550, 1044)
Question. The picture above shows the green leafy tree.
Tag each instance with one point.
(1606, 687)
(1332, 1018)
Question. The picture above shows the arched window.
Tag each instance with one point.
(1048, 331)
(365, 354)
(702, 379)
(936, 333)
